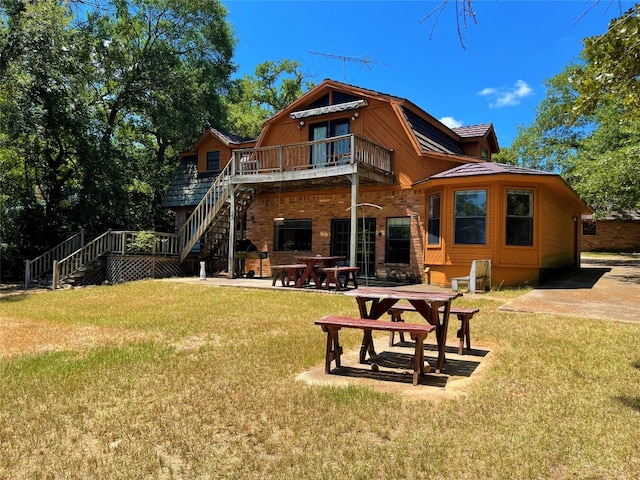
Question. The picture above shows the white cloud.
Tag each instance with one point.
(451, 122)
(506, 96)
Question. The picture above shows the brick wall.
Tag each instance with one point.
(613, 236)
(322, 208)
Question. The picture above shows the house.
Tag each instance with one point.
(616, 232)
(348, 171)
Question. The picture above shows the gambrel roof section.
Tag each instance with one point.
(428, 135)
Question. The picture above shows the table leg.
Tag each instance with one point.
(333, 350)
(430, 314)
(304, 276)
(418, 358)
(378, 308)
(442, 338)
(306, 273)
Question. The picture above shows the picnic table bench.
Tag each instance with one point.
(331, 275)
(463, 314)
(287, 273)
(332, 325)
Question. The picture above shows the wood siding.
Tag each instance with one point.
(211, 144)
(557, 242)
(553, 231)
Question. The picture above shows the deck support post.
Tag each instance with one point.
(232, 234)
(353, 241)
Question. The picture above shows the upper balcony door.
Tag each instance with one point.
(330, 153)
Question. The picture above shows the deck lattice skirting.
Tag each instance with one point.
(128, 268)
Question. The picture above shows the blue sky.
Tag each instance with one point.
(498, 77)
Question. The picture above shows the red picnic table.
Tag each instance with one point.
(312, 263)
(375, 302)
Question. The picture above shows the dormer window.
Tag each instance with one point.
(484, 154)
(213, 161)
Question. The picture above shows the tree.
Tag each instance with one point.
(612, 69)
(254, 99)
(606, 170)
(95, 106)
(597, 154)
(159, 71)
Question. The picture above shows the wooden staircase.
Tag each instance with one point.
(209, 224)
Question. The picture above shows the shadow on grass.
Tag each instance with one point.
(396, 367)
(429, 347)
(629, 401)
(13, 297)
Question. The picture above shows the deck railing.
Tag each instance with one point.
(122, 242)
(37, 267)
(204, 213)
(342, 150)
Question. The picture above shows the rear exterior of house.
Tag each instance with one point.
(372, 177)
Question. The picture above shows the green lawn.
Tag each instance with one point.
(167, 380)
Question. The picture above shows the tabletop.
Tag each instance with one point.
(320, 258)
(400, 294)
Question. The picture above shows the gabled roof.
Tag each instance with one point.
(476, 132)
(229, 139)
(473, 131)
(186, 188)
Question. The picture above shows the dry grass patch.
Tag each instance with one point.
(31, 337)
(207, 390)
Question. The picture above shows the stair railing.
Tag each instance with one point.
(92, 250)
(113, 242)
(37, 267)
(205, 212)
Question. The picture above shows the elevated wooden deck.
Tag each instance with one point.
(308, 165)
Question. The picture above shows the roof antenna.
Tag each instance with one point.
(365, 61)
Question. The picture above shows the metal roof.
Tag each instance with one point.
(339, 107)
(488, 168)
(473, 131)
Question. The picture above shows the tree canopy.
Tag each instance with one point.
(95, 102)
(253, 99)
(588, 126)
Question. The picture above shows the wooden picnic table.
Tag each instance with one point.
(374, 302)
(312, 263)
